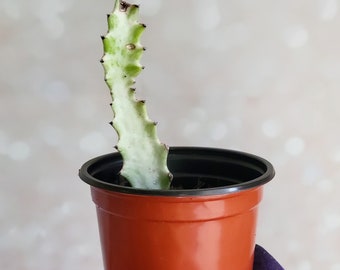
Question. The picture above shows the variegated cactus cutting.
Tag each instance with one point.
(144, 156)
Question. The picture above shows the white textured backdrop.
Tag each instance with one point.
(259, 76)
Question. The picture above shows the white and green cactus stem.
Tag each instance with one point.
(144, 156)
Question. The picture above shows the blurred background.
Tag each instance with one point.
(258, 76)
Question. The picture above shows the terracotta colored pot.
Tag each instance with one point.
(210, 228)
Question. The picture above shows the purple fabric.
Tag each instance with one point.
(264, 261)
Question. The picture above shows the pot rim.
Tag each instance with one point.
(180, 152)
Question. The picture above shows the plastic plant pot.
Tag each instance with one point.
(206, 221)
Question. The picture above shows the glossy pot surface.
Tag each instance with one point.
(193, 229)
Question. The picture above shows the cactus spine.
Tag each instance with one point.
(144, 157)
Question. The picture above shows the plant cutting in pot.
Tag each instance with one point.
(166, 208)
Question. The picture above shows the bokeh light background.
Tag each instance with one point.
(258, 76)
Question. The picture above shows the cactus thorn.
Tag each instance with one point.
(123, 6)
(102, 37)
(111, 123)
(170, 176)
(130, 46)
(101, 60)
(143, 24)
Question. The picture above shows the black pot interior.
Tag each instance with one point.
(196, 171)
